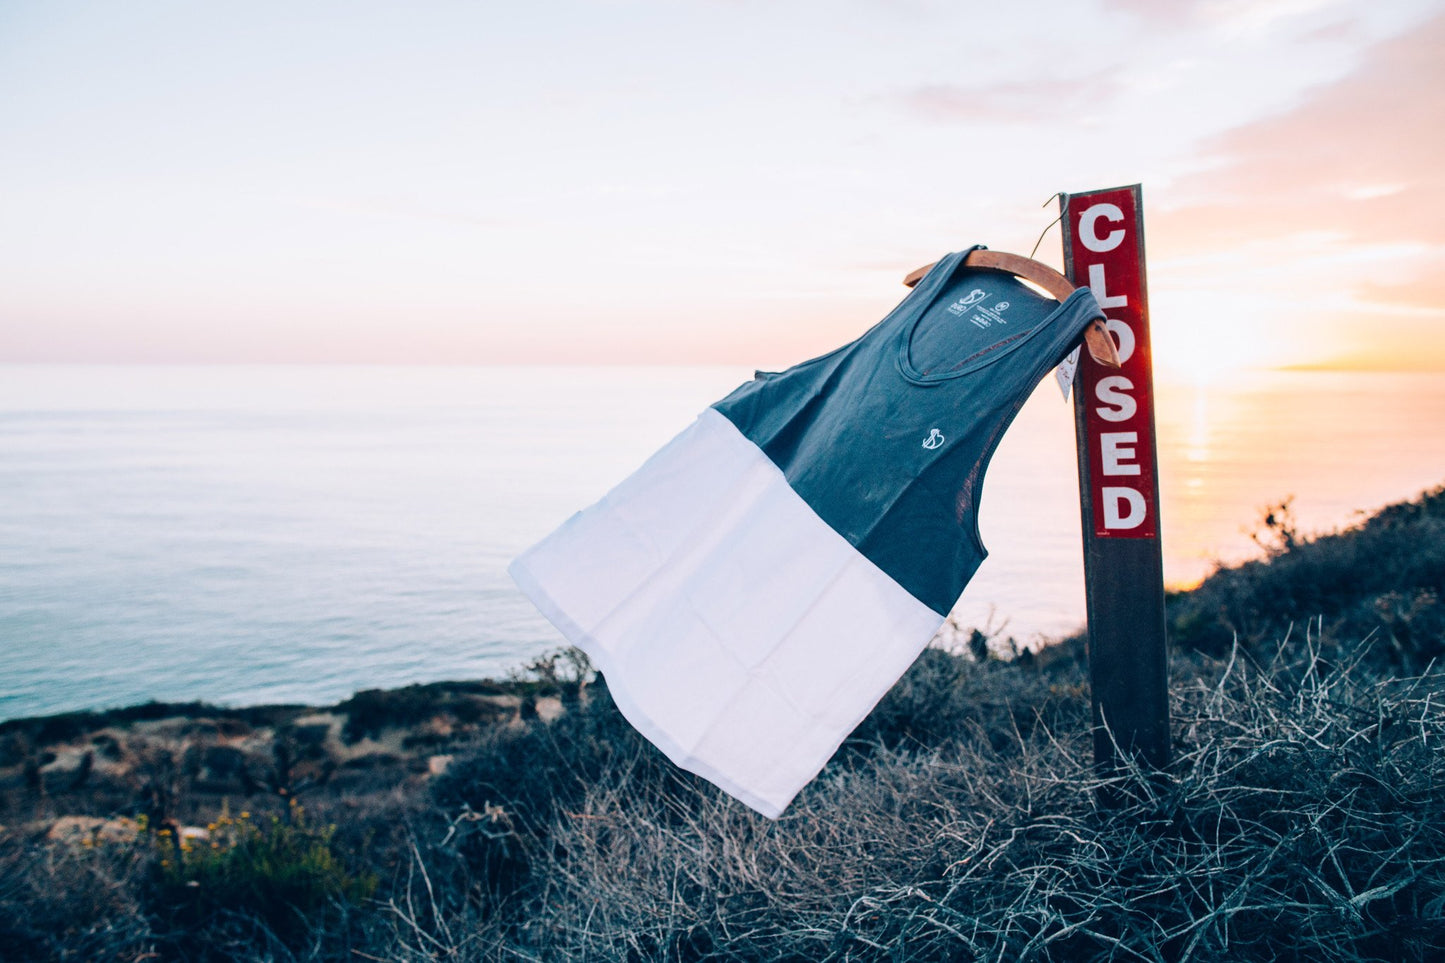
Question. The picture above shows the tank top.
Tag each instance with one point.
(888, 438)
(753, 590)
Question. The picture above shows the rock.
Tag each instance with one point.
(88, 830)
(195, 834)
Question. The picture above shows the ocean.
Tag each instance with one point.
(260, 534)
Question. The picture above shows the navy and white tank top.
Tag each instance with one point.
(754, 588)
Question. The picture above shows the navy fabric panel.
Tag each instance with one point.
(887, 438)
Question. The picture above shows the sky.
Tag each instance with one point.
(732, 181)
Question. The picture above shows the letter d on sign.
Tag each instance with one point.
(1123, 508)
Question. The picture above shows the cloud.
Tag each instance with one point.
(1360, 156)
(1244, 16)
(1172, 14)
(1345, 189)
(1022, 102)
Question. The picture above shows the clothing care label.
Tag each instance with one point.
(1064, 373)
(1104, 248)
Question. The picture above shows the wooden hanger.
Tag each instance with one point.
(1096, 336)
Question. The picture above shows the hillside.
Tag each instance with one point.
(1304, 818)
(1379, 584)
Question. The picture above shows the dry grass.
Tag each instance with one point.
(1303, 821)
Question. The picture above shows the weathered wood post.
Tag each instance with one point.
(1118, 485)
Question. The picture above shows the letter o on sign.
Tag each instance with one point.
(1125, 335)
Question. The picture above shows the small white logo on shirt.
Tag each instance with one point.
(958, 307)
(934, 439)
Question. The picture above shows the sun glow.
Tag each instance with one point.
(1197, 342)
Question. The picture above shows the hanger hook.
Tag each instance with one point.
(1061, 196)
(1046, 230)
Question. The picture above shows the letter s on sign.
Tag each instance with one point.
(1089, 227)
(1115, 404)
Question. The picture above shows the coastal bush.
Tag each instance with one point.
(1304, 820)
(71, 902)
(372, 711)
(250, 886)
(524, 776)
(944, 697)
(1380, 582)
(66, 726)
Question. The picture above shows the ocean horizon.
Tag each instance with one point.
(250, 534)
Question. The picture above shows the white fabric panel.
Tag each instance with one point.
(735, 629)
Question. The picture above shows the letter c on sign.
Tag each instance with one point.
(1089, 228)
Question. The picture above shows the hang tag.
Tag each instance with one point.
(1064, 373)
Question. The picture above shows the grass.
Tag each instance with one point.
(1301, 822)
(1303, 819)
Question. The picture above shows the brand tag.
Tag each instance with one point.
(1064, 373)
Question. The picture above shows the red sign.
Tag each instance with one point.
(1104, 248)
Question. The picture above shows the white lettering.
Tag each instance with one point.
(1115, 454)
(1113, 499)
(1096, 284)
(1110, 391)
(1124, 335)
(1089, 228)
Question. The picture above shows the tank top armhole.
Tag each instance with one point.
(976, 537)
(974, 483)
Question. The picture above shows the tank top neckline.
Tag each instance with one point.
(927, 294)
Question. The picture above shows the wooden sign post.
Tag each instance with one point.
(1118, 485)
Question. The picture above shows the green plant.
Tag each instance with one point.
(252, 881)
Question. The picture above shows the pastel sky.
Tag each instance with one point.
(733, 181)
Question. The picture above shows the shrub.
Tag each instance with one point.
(1304, 818)
(252, 884)
(1382, 579)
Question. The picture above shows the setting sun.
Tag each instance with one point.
(1201, 342)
